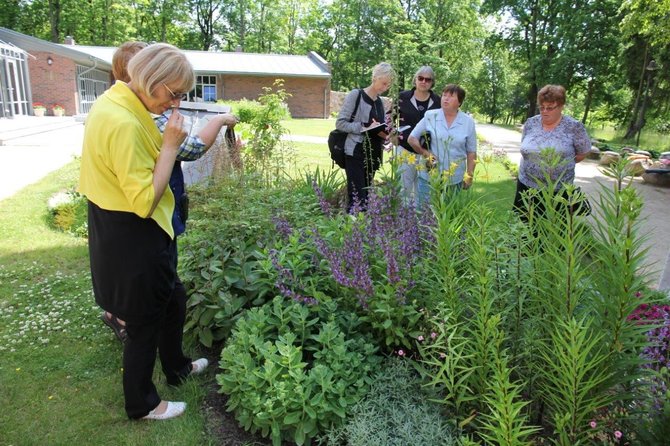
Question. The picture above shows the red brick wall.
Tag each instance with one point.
(310, 98)
(55, 83)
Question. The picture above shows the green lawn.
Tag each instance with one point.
(648, 139)
(60, 375)
(309, 127)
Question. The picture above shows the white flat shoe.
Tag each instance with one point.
(174, 409)
(199, 366)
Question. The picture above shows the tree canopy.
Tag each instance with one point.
(501, 51)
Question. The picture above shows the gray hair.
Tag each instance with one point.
(425, 70)
(159, 64)
(383, 69)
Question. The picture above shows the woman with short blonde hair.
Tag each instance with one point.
(360, 115)
(125, 167)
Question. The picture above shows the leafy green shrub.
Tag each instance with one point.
(244, 109)
(219, 256)
(292, 370)
(68, 213)
(266, 153)
(394, 412)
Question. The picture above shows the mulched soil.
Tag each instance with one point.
(221, 425)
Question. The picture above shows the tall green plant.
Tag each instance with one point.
(479, 297)
(505, 422)
(445, 363)
(574, 372)
(619, 256)
(267, 153)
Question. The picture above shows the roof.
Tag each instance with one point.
(33, 44)
(214, 62)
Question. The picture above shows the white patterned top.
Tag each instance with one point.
(567, 139)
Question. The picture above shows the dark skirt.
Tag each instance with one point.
(133, 264)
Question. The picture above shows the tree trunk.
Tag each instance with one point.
(635, 110)
(532, 100)
(54, 20)
(589, 99)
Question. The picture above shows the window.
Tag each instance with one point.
(205, 89)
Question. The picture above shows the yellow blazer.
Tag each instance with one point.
(121, 145)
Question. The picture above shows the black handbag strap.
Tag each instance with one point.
(358, 101)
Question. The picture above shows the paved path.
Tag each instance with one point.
(588, 175)
(32, 147)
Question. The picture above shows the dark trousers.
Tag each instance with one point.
(581, 207)
(360, 169)
(139, 355)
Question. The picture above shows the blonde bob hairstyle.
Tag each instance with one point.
(121, 58)
(160, 64)
(383, 69)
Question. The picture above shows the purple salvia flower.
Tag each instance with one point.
(325, 206)
(282, 226)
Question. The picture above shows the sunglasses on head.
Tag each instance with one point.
(424, 79)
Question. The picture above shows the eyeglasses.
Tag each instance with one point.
(176, 96)
(424, 79)
(544, 108)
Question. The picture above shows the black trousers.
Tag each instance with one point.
(579, 208)
(134, 273)
(139, 355)
(360, 169)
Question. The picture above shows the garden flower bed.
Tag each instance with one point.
(516, 332)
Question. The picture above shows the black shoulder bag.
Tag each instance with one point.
(337, 138)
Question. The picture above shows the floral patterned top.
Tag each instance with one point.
(568, 139)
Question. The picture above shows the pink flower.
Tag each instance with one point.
(433, 335)
(618, 435)
(638, 294)
(401, 353)
(593, 424)
(420, 338)
(442, 355)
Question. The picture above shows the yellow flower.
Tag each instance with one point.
(467, 177)
(411, 158)
(452, 169)
(51, 397)
(18, 369)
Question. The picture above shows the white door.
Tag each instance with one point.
(15, 89)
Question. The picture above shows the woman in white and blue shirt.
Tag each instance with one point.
(453, 142)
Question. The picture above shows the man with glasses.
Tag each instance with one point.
(412, 106)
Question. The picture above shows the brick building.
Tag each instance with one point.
(73, 76)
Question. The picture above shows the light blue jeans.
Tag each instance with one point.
(408, 177)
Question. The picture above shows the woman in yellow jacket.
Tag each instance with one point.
(125, 168)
